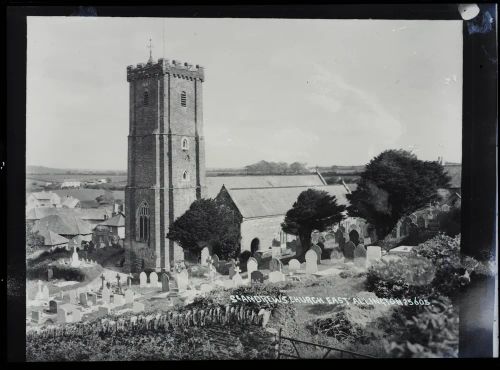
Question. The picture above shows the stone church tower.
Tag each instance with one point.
(166, 158)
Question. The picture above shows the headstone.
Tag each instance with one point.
(129, 296)
(237, 280)
(318, 251)
(205, 253)
(143, 279)
(215, 261)
(165, 281)
(311, 261)
(76, 315)
(276, 276)
(104, 309)
(275, 265)
(349, 250)
(92, 298)
(368, 240)
(63, 313)
(293, 265)
(36, 316)
(50, 273)
(336, 254)
(129, 281)
(360, 256)
(153, 279)
(182, 280)
(252, 266)
(53, 306)
(65, 297)
(276, 252)
(83, 299)
(138, 307)
(257, 277)
(45, 293)
(119, 299)
(373, 254)
(72, 297)
(106, 296)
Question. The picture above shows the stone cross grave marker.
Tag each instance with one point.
(153, 279)
(165, 281)
(275, 265)
(360, 256)
(102, 281)
(257, 277)
(129, 296)
(143, 279)
(276, 276)
(118, 278)
(311, 261)
(318, 251)
(293, 265)
(373, 254)
(252, 266)
(205, 253)
(237, 280)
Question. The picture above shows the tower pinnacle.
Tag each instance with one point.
(150, 46)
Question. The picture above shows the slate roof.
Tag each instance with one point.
(51, 238)
(214, 184)
(84, 214)
(42, 195)
(116, 221)
(63, 224)
(70, 202)
(266, 202)
(88, 194)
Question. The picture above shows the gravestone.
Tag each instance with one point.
(45, 293)
(53, 306)
(276, 276)
(129, 296)
(257, 277)
(205, 253)
(182, 279)
(76, 315)
(311, 261)
(252, 266)
(72, 297)
(275, 265)
(165, 281)
(373, 254)
(318, 251)
(50, 273)
(153, 279)
(360, 256)
(215, 261)
(368, 240)
(129, 281)
(92, 298)
(293, 265)
(104, 310)
(349, 250)
(106, 296)
(83, 299)
(65, 298)
(119, 299)
(62, 314)
(276, 252)
(36, 316)
(143, 279)
(237, 280)
(336, 254)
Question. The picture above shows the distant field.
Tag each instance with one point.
(59, 178)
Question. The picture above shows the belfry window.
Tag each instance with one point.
(143, 223)
(183, 98)
(145, 100)
(185, 143)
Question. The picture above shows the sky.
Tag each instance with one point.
(322, 92)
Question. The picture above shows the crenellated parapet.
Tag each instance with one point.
(164, 66)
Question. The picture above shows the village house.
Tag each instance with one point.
(70, 202)
(53, 240)
(71, 184)
(64, 225)
(42, 199)
(110, 232)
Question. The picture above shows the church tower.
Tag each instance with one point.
(166, 158)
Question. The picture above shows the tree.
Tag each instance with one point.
(297, 168)
(208, 223)
(313, 210)
(33, 238)
(394, 184)
(106, 198)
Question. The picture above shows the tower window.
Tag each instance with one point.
(185, 143)
(183, 98)
(146, 98)
(142, 223)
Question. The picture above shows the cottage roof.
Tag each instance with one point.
(51, 238)
(70, 202)
(215, 183)
(63, 224)
(88, 194)
(43, 195)
(116, 221)
(98, 214)
(266, 202)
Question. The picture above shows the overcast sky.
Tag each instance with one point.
(322, 92)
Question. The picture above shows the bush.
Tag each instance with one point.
(340, 328)
(402, 278)
(433, 332)
(39, 272)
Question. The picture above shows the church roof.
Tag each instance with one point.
(267, 202)
(214, 183)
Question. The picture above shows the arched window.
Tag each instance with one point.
(185, 176)
(185, 143)
(145, 100)
(183, 98)
(143, 223)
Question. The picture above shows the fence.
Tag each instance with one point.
(293, 352)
